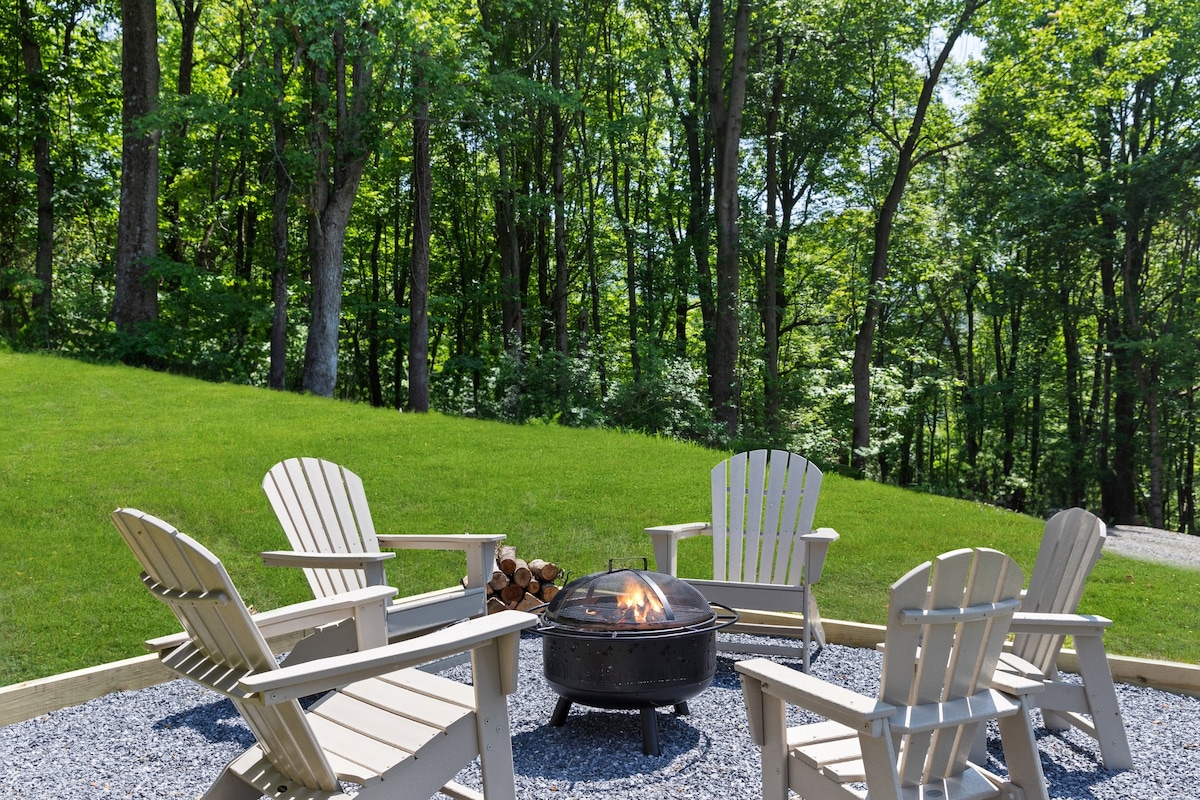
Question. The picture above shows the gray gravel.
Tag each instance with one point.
(1154, 544)
(171, 741)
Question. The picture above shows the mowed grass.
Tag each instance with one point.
(79, 440)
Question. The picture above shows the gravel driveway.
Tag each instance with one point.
(1153, 544)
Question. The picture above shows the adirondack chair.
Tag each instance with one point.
(323, 510)
(398, 731)
(766, 555)
(947, 622)
(1071, 546)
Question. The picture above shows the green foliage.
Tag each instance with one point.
(1065, 145)
(80, 440)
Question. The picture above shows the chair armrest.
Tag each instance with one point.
(665, 539)
(822, 535)
(324, 674)
(863, 714)
(479, 548)
(298, 616)
(1060, 624)
(370, 563)
(437, 541)
(296, 558)
(818, 542)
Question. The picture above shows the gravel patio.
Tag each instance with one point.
(170, 741)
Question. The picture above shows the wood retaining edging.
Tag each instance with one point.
(29, 699)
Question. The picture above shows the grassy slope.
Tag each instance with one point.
(77, 441)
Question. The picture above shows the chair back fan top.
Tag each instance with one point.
(225, 645)
(761, 503)
(949, 618)
(323, 509)
(1071, 546)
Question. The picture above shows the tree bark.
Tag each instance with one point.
(188, 13)
(340, 156)
(39, 91)
(906, 159)
(277, 375)
(135, 299)
(562, 275)
(770, 306)
(726, 101)
(418, 326)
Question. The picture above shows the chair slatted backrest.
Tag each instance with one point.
(225, 644)
(323, 509)
(1071, 546)
(761, 503)
(949, 618)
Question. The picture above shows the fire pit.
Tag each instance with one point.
(626, 639)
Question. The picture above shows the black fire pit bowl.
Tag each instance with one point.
(630, 639)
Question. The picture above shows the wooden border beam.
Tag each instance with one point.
(29, 699)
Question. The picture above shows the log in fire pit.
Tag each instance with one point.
(626, 639)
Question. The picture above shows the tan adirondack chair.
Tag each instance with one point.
(397, 731)
(766, 555)
(947, 623)
(324, 512)
(1070, 548)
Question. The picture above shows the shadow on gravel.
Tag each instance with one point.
(217, 722)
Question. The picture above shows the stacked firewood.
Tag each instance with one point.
(520, 584)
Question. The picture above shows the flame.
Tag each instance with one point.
(639, 606)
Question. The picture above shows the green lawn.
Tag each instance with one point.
(78, 440)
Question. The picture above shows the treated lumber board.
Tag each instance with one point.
(22, 701)
(29, 699)
(1169, 676)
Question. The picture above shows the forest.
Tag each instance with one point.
(946, 244)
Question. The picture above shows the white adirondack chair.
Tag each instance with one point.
(947, 622)
(324, 512)
(1070, 548)
(397, 731)
(766, 555)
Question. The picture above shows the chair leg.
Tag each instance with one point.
(1102, 703)
(230, 787)
(491, 720)
(774, 748)
(814, 613)
(1021, 754)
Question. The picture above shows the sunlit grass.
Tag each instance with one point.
(79, 440)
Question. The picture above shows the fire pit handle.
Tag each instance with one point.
(645, 562)
(724, 620)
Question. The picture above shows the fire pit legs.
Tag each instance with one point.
(650, 732)
(561, 709)
(649, 719)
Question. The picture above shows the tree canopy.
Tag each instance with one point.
(946, 244)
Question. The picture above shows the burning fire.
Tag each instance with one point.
(637, 605)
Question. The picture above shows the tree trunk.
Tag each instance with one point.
(770, 308)
(188, 13)
(510, 253)
(906, 159)
(418, 327)
(135, 299)
(562, 275)
(277, 377)
(39, 91)
(726, 101)
(374, 379)
(332, 198)
(1073, 371)
(697, 224)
